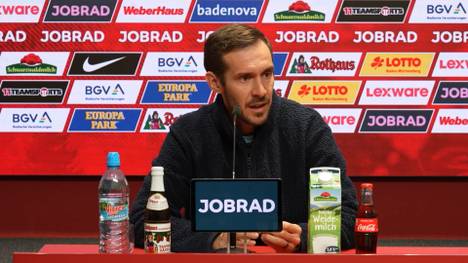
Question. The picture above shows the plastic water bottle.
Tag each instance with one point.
(113, 208)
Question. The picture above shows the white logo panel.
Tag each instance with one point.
(33, 119)
(440, 11)
(451, 121)
(308, 11)
(340, 120)
(451, 64)
(280, 87)
(173, 64)
(155, 11)
(33, 63)
(159, 120)
(105, 91)
(20, 11)
(396, 92)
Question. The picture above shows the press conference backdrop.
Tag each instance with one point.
(80, 78)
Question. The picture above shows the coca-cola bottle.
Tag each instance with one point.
(367, 226)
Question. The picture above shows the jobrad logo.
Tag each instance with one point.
(396, 121)
(33, 119)
(104, 120)
(452, 92)
(176, 92)
(439, 11)
(324, 92)
(317, 11)
(383, 11)
(155, 11)
(226, 11)
(397, 64)
(20, 11)
(106, 63)
(159, 120)
(396, 92)
(105, 91)
(173, 64)
(324, 64)
(80, 11)
(32, 91)
(451, 121)
(451, 64)
(340, 120)
(33, 63)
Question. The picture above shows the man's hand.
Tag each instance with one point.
(221, 239)
(286, 241)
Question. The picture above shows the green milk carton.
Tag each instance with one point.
(324, 210)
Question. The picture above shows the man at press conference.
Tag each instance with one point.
(276, 138)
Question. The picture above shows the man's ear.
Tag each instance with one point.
(213, 82)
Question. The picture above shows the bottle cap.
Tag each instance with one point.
(367, 186)
(325, 177)
(113, 159)
(157, 170)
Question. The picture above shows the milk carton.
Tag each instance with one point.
(324, 210)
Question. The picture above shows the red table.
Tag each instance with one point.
(89, 253)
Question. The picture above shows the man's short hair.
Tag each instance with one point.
(227, 39)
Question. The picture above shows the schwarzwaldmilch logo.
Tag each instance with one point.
(299, 11)
(31, 63)
(110, 64)
(390, 11)
(32, 91)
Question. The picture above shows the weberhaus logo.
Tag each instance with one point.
(155, 11)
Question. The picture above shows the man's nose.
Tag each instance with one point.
(259, 88)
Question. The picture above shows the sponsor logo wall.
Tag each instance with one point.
(80, 78)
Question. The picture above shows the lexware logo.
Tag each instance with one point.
(159, 120)
(33, 119)
(439, 11)
(318, 11)
(324, 92)
(173, 64)
(80, 11)
(451, 64)
(396, 92)
(324, 64)
(33, 63)
(32, 91)
(396, 121)
(105, 91)
(110, 64)
(155, 11)
(397, 64)
(226, 11)
(383, 11)
(20, 11)
(451, 121)
(340, 120)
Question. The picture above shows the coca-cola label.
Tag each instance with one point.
(113, 209)
(157, 202)
(367, 225)
(157, 238)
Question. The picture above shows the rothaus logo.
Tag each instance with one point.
(80, 11)
(112, 64)
(226, 11)
(324, 64)
(390, 11)
(236, 206)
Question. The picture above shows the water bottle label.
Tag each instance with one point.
(367, 225)
(157, 202)
(158, 238)
(113, 209)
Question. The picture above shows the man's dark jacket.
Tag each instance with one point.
(199, 145)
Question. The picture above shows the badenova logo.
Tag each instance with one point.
(396, 121)
(20, 11)
(340, 120)
(155, 11)
(27, 91)
(452, 92)
(397, 64)
(324, 92)
(324, 64)
(159, 120)
(382, 11)
(397, 92)
(451, 64)
(226, 11)
(318, 11)
(72, 11)
(33, 119)
(451, 121)
(105, 63)
(33, 63)
(440, 11)
(173, 64)
(104, 120)
(105, 91)
(176, 92)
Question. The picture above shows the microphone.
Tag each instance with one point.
(235, 113)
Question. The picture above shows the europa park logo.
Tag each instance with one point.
(299, 11)
(31, 63)
(397, 64)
